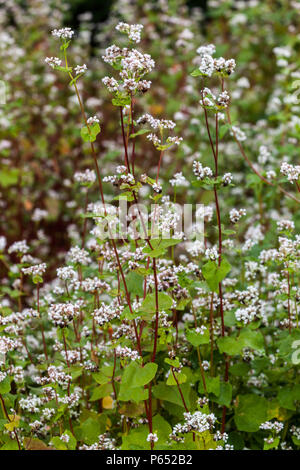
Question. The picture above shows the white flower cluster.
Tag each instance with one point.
(285, 225)
(65, 438)
(133, 31)
(37, 270)
(79, 69)
(133, 63)
(19, 247)
(218, 436)
(111, 84)
(91, 120)
(179, 180)
(223, 99)
(210, 49)
(31, 403)
(212, 253)
(198, 422)
(295, 431)
(63, 33)
(39, 214)
(126, 353)
(61, 314)
(79, 256)
(127, 178)
(2, 376)
(155, 123)
(107, 313)
(174, 140)
(227, 179)
(201, 329)
(55, 375)
(86, 177)
(236, 214)
(264, 155)
(276, 426)
(238, 133)
(152, 437)
(208, 65)
(104, 443)
(292, 172)
(91, 285)
(159, 124)
(66, 273)
(53, 62)
(202, 401)
(247, 315)
(157, 187)
(201, 172)
(7, 344)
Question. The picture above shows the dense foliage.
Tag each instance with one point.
(127, 332)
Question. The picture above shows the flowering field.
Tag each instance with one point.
(149, 226)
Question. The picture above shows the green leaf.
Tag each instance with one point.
(236, 440)
(212, 385)
(101, 392)
(58, 443)
(196, 73)
(171, 394)
(135, 283)
(13, 423)
(180, 377)
(136, 375)
(223, 270)
(71, 444)
(172, 362)
(37, 279)
(253, 339)
(121, 101)
(140, 132)
(104, 375)
(9, 177)
(223, 130)
(287, 396)
(165, 302)
(225, 395)
(240, 370)
(159, 246)
(251, 411)
(5, 385)
(10, 445)
(89, 134)
(145, 374)
(65, 45)
(136, 439)
(230, 345)
(214, 274)
(133, 394)
(233, 345)
(91, 428)
(272, 445)
(197, 338)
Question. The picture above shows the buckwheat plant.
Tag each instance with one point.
(142, 335)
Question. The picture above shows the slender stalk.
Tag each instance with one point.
(42, 327)
(215, 151)
(180, 391)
